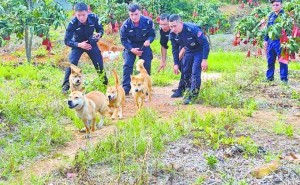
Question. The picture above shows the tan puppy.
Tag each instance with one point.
(116, 97)
(141, 84)
(76, 78)
(86, 107)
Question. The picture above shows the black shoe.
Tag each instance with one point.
(65, 89)
(187, 101)
(189, 98)
(177, 94)
(284, 82)
(268, 80)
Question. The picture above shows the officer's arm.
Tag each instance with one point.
(99, 27)
(202, 40)
(163, 41)
(124, 37)
(163, 46)
(175, 51)
(69, 35)
(151, 35)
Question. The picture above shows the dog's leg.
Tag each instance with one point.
(137, 102)
(120, 114)
(115, 114)
(93, 124)
(87, 127)
(101, 122)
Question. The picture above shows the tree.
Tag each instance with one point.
(26, 18)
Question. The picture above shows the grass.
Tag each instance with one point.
(144, 137)
(33, 110)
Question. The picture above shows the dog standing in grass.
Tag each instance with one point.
(141, 85)
(76, 78)
(86, 107)
(116, 97)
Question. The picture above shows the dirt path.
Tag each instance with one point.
(61, 158)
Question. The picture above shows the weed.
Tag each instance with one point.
(211, 161)
(281, 128)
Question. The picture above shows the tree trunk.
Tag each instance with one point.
(28, 43)
(28, 35)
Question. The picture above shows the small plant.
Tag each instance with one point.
(249, 107)
(211, 161)
(281, 128)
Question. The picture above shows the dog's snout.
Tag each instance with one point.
(136, 90)
(70, 103)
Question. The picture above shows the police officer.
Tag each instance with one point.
(196, 44)
(273, 46)
(137, 32)
(80, 37)
(164, 31)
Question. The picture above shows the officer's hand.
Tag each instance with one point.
(136, 51)
(147, 43)
(175, 69)
(204, 65)
(85, 45)
(265, 45)
(162, 66)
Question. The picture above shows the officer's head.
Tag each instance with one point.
(134, 11)
(164, 22)
(276, 5)
(175, 23)
(81, 12)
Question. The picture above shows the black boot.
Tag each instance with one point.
(178, 93)
(190, 98)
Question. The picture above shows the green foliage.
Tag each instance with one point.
(283, 128)
(253, 27)
(33, 110)
(211, 161)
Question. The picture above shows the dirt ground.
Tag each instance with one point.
(183, 162)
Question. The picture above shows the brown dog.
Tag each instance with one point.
(76, 78)
(141, 84)
(86, 107)
(116, 97)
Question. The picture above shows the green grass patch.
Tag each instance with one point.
(34, 113)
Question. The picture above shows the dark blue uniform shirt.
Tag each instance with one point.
(192, 38)
(77, 32)
(164, 38)
(132, 36)
(271, 21)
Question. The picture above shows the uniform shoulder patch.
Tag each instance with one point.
(199, 33)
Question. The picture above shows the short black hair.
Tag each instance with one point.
(79, 7)
(132, 7)
(174, 17)
(273, 1)
(164, 16)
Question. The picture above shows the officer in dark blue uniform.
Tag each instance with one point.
(273, 46)
(164, 30)
(196, 44)
(79, 36)
(137, 32)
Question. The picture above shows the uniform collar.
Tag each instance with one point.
(140, 23)
(89, 21)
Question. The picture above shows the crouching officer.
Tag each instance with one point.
(164, 30)
(79, 36)
(195, 42)
(273, 48)
(137, 32)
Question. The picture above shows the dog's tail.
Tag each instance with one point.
(116, 77)
(140, 66)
